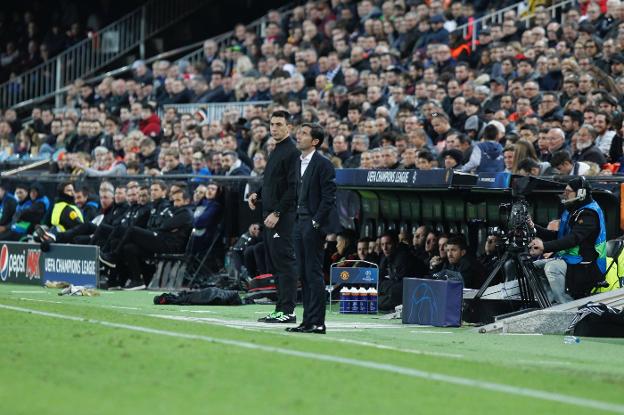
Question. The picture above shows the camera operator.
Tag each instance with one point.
(580, 245)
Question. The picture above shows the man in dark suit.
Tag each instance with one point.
(316, 217)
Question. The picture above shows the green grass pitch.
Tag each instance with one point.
(120, 354)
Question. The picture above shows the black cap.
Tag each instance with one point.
(484, 31)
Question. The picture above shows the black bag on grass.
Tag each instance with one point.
(597, 320)
(207, 296)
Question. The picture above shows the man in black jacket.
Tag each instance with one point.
(316, 217)
(397, 262)
(170, 235)
(471, 270)
(32, 206)
(279, 195)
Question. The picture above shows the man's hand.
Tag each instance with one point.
(252, 200)
(270, 220)
(536, 247)
(530, 223)
(435, 261)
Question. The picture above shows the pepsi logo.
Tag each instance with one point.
(4, 263)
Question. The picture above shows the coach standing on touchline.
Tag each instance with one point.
(316, 216)
(279, 195)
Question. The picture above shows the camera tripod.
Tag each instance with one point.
(532, 282)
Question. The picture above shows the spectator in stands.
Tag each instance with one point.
(562, 161)
(487, 155)
(607, 140)
(150, 122)
(586, 148)
(232, 165)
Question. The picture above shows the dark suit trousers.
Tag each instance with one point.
(309, 249)
(280, 254)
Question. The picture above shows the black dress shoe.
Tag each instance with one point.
(299, 329)
(314, 329)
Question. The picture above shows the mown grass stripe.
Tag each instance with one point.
(415, 373)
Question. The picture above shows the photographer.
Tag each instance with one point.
(580, 245)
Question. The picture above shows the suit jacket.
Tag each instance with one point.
(319, 182)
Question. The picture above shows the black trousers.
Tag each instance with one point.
(309, 249)
(255, 259)
(70, 235)
(281, 261)
(139, 244)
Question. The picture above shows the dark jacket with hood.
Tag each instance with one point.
(175, 228)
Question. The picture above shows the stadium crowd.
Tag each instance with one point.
(39, 31)
(395, 84)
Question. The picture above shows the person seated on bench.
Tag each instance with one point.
(363, 253)
(459, 260)
(87, 203)
(31, 209)
(114, 207)
(208, 214)
(439, 261)
(65, 214)
(170, 237)
(8, 206)
(397, 262)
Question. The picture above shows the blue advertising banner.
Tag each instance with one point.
(25, 263)
(353, 275)
(436, 178)
(396, 178)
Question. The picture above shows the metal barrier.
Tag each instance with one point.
(214, 111)
(497, 17)
(98, 50)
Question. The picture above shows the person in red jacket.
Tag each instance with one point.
(150, 121)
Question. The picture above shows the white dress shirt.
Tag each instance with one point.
(305, 161)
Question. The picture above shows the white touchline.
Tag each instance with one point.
(415, 373)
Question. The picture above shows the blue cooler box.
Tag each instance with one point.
(432, 302)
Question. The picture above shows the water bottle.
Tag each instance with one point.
(571, 340)
(353, 303)
(372, 300)
(363, 300)
(344, 299)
